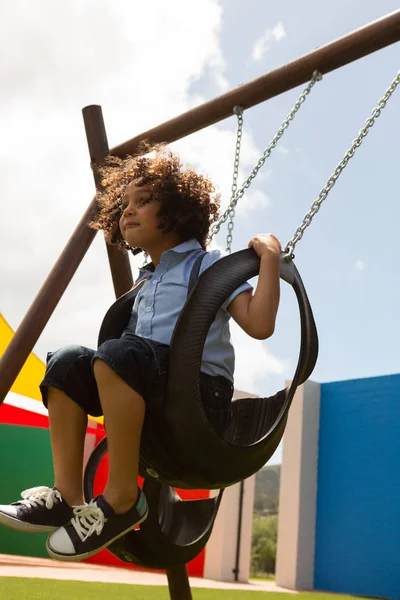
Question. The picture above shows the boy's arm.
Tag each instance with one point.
(256, 314)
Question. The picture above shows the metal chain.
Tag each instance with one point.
(238, 110)
(298, 234)
(236, 197)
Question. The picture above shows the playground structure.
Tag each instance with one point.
(332, 56)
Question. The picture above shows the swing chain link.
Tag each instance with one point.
(238, 110)
(237, 195)
(316, 205)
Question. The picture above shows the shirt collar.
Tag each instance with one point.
(187, 246)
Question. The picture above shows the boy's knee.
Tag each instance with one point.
(102, 370)
(69, 353)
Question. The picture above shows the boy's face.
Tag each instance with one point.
(139, 221)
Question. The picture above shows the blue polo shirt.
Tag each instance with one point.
(162, 298)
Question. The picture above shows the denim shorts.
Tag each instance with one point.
(143, 364)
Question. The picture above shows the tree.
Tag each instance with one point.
(266, 497)
(265, 534)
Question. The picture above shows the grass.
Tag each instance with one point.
(18, 588)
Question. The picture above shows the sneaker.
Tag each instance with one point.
(93, 527)
(41, 509)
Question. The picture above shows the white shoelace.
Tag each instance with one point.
(88, 519)
(40, 496)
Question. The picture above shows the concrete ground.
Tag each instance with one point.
(44, 568)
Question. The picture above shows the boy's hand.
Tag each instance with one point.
(265, 244)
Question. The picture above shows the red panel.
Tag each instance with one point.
(13, 415)
(195, 567)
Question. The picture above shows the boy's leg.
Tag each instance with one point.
(124, 411)
(42, 508)
(68, 423)
(122, 506)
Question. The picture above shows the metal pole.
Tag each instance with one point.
(359, 43)
(178, 583)
(355, 45)
(236, 570)
(98, 149)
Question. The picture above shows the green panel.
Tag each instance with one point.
(25, 462)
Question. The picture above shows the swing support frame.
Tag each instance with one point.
(349, 48)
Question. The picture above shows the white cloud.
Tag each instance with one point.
(253, 361)
(212, 151)
(253, 199)
(263, 43)
(139, 75)
(283, 150)
(129, 59)
(359, 266)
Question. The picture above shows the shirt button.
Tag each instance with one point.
(155, 282)
(148, 309)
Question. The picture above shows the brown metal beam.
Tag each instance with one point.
(355, 45)
(98, 149)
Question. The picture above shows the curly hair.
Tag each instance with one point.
(189, 204)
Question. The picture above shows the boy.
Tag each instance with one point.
(152, 204)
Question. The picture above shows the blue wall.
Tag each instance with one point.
(358, 501)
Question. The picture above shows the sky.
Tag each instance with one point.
(145, 63)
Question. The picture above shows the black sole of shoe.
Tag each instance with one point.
(19, 525)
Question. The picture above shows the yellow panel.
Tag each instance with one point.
(31, 374)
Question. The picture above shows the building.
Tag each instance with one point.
(339, 523)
